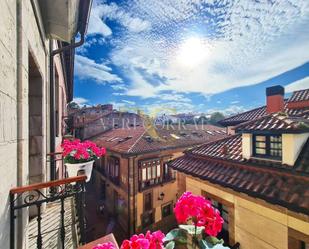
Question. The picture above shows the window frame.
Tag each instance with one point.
(113, 167)
(170, 203)
(268, 148)
(151, 172)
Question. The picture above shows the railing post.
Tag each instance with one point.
(82, 214)
(62, 231)
(12, 222)
(39, 218)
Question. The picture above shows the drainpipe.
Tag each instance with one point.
(134, 209)
(22, 220)
(132, 159)
(52, 99)
(129, 202)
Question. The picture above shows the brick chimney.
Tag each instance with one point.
(274, 99)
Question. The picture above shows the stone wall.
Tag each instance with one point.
(24, 112)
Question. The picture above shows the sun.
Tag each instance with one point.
(192, 52)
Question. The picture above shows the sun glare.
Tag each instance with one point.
(192, 52)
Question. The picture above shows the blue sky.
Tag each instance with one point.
(192, 55)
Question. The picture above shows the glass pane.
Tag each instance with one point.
(149, 172)
(144, 177)
(260, 138)
(154, 172)
(260, 144)
(260, 151)
(158, 170)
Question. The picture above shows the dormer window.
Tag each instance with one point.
(269, 146)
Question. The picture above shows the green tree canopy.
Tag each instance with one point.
(215, 117)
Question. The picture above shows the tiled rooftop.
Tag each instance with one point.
(221, 162)
(302, 95)
(287, 190)
(261, 112)
(275, 122)
(137, 140)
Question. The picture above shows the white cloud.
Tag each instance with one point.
(297, 85)
(128, 102)
(88, 69)
(80, 101)
(230, 110)
(101, 12)
(173, 97)
(258, 40)
(139, 86)
(96, 23)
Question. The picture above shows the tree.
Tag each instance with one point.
(215, 117)
(202, 120)
(73, 105)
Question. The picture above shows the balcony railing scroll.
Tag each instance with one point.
(36, 195)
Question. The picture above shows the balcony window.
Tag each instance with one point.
(269, 146)
(150, 172)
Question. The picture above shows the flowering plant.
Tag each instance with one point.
(107, 245)
(148, 241)
(199, 223)
(79, 152)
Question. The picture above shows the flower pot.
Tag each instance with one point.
(74, 168)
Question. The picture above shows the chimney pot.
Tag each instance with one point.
(274, 99)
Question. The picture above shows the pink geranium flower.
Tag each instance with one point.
(77, 151)
(107, 245)
(149, 241)
(199, 211)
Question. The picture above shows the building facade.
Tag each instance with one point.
(258, 178)
(27, 112)
(133, 180)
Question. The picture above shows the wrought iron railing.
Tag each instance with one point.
(36, 195)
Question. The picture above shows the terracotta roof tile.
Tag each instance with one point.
(261, 112)
(230, 149)
(137, 140)
(275, 122)
(284, 189)
(301, 95)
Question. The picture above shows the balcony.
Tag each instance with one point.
(56, 211)
(156, 182)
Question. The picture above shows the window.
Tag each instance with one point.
(150, 172)
(167, 209)
(147, 219)
(148, 201)
(297, 240)
(113, 169)
(267, 146)
(226, 210)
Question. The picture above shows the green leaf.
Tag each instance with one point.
(213, 240)
(176, 234)
(191, 229)
(207, 245)
(170, 245)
